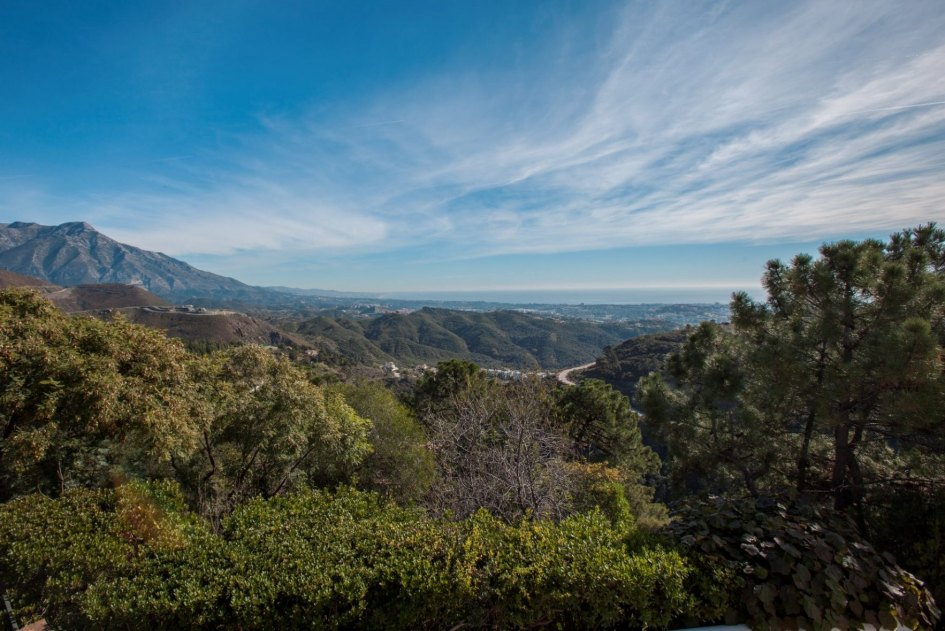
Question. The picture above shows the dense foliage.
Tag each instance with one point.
(623, 365)
(79, 398)
(832, 390)
(133, 558)
(269, 430)
(146, 486)
(86, 402)
(812, 389)
(400, 466)
(526, 449)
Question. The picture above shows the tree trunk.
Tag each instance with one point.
(856, 483)
(803, 461)
(843, 454)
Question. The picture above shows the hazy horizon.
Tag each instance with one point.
(590, 296)
(559, 295)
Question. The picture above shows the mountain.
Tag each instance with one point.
(77, 254)
(623, 365)
(499, 338)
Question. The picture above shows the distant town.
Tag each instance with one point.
(674, 314)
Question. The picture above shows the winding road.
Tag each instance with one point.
(565, 375)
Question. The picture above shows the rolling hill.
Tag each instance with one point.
(12, 279)
(94, 273)
(218, 327)
(623, 365)
(98, 297)
(499, 338)
(138, 305)
(84, 297)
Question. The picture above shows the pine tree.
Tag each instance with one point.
(829, 384)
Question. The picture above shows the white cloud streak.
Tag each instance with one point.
(822, 120)
(693, 123)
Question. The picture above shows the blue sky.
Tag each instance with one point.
(370, 145)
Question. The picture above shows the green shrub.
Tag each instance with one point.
(578, 573)
(400, 465)
(132, 558)
(325, 561)
(801, 567)
(64, 557)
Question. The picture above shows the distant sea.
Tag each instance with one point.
(700, 295)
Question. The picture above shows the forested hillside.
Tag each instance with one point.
(146, 486)
(623, 365)
(497, 338)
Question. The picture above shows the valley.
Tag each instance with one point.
(99, 276)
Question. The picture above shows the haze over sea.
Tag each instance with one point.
(607, 296)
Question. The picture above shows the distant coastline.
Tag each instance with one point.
(673, 295)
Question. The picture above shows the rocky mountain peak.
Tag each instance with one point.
(75, 253)
(74, 228)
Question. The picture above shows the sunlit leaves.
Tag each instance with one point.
(133, 558)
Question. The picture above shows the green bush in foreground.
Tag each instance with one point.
(800, 567)
(131, 558)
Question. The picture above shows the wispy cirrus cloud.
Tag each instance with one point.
(730, 127)
(671, 123)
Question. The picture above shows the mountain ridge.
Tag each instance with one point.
(75, 253)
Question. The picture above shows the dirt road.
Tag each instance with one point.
(565, 375)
